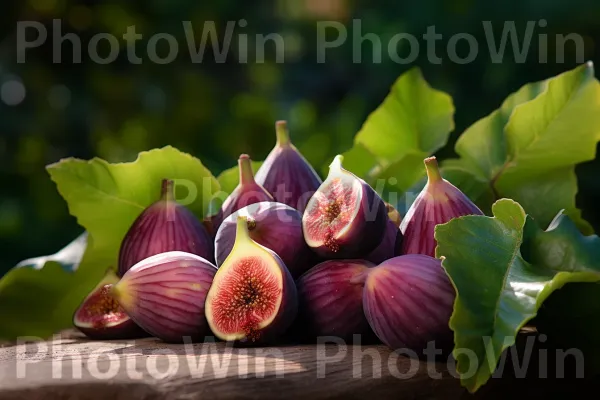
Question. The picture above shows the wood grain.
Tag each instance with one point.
(71, 367)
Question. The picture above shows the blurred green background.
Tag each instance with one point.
(218, 110)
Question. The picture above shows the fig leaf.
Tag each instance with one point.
(412, 123)
(528, 148)
(503, 269)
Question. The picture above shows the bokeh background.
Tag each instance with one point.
(218, 110)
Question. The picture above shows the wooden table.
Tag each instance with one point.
(71, 367)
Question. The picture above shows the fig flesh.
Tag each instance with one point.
(330, 299)
(345, 218)
(286, 174)
(390, 246)
(165, 295)
(274, 225)
(246, 192)
(101, 317)
(438, 202)
(253, 297)
(164, 226)
(408, 301)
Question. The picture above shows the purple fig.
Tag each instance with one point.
(165, 295)
(330, 299)
(345, 218)
(247, 192)
(253, 297)
(164, 226)
(438, 203)
(101, 317)
(408, 301)
(276, 226)
(286, 174)
(390, 246)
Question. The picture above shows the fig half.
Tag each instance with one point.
(274, 225)
(101, 317)
(390, 246)
(165, 295)
(164, 226)
(253, 297)
(330, 299)
(408, 301)
(345, 218)
(438, 203)
(286, 174)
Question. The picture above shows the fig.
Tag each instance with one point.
(246, 192)
(345, 218)
(253, 297)
(165, 295)
(101, 317)
(408, 301)
(330, 299)
(438, 202)
(274, 225)
(286, 174)
(164, 226)
(390, 246)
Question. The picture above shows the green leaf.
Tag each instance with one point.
(498, 290)
(230, 178)
(413, 122)
(39, 298)
(106, 198)
(527, 149)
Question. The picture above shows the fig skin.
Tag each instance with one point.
(439, 202)
(362, 232)
(286, 174)
(408, 301)
(105, 329)
(273, 225)
(330, 300)
(390, 246)
(243, 257)
(164, 226)
(165, 295)
(246, 192)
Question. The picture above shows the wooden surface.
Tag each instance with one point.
(140, 370)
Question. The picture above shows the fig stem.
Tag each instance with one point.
(167, 190)
(241, 231)
(246, 174)
(336, 164)
(282, 133)
(433, 171)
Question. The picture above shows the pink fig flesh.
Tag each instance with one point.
(165, 295)
(438, 203)
(330, 299)
(164, 226)
(345, 218)
(408, 301)
(274, 225)
(286, 174)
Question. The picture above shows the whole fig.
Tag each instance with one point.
(274, 225)
(408, 301)
(390, 246)
(165, 295)
(438, 203)
(345, 218)
(253, 297)
(330, 299)
(286, 174)
(164, 226)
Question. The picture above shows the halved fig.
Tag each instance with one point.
(390, 246)
(165, 295)
(345, 218)
(101, 317)
(253, 296)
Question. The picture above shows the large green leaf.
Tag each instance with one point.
(106, 198)
(413, 122)
(68, 258)
(527, 149)
(498, 290)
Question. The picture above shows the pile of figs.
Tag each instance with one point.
(287, 256)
